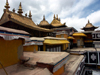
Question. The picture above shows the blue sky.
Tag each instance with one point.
(74, 12)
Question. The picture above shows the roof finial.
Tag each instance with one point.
(30, 15)
(20, 9)
(7, 5)
(59, 19)
(57, 16)
(13, 10)
(44, 17)
(26, 15)
(54, 16)
(88, 21)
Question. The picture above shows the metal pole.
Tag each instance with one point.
(4, 68)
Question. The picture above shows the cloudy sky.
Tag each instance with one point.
(74, 12)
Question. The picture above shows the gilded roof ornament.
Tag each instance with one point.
(54, 16)
(13, 10)
(20, 6)
(88, 21)
(43, 17)
(30, 15)
(7, 5)
(26, 15)
(57, 16)
(89, 26)
(20, 9)
(59, 19)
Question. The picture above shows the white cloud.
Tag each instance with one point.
(94, 17)
(81, 22)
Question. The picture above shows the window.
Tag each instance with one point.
(62, 36)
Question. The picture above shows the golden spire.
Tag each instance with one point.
(7, 5)
(43, 17)
(30, 15)
(20, 9)
(57, 16)
(88, 21)
(54, 16)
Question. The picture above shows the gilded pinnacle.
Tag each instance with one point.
(43, 17)
(7, 5)
(20, 9)
(26, 14)
(14, 10)
(57, 16)
(20, 6)
(30, 14)
(59, 19)
(54, 16)
(88, 21)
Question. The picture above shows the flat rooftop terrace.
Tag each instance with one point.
(82, 50)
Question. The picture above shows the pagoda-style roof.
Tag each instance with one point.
(21, 20)
(18, 18)
(89, 25)
(56, 22)
(44, 22)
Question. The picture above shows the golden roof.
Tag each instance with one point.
(55, 42)
(44, 22)
(70, 37)
(79, 34)
(56, 22)
(89, 25)
(22, 20)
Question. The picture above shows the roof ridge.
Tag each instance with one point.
(19, 15)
